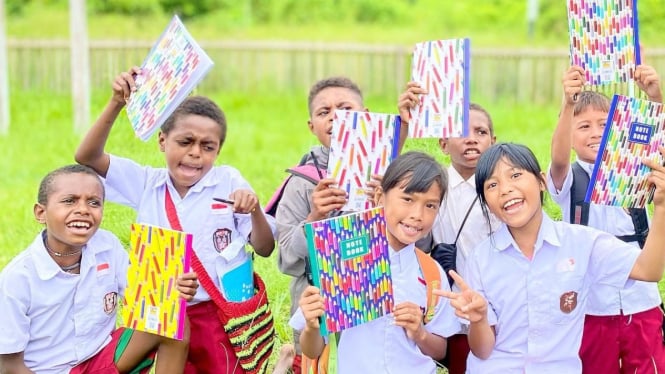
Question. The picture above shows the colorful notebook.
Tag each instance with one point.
(442, 68)
(604, 39)
(157, 257)
(351, 266)
(362, 144)
(635, 129)
(174, 66)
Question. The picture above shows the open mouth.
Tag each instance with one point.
(513, 204)
(411, 230)
(79, 225)
(472, 152)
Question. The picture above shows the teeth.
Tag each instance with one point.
(594, 146)
(471, 151)
(410, 229)
(85, 225)
(511, 203)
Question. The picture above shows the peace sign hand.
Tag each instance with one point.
(468, 303)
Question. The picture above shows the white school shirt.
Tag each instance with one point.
(537, 306)
(604, 300)
(212, 224)
(381, 347)
(57, 319)
(456, 203)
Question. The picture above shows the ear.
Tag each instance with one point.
(379, 196)
(310, 125)
(543, 185)
(493, 140)
(162, 141)
(443, 144)
(40, 213)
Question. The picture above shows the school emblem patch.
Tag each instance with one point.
(110, 302)
(221, 239)
(568, 301)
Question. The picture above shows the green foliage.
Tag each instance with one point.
(125, 7)
(189, 9)
(15, 7)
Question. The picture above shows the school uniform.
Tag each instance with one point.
(537, 305)
(636, 303)
(58, 319)
(213, 225)
(381, 347)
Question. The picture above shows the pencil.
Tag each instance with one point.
(231, 202)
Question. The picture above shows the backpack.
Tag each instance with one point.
(304, 170)
(579, 209)
(430, 271)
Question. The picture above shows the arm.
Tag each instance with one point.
(311, 305)
(407, 101)
(13, 363)
(648, 81)
(573, 82)
(91, 150)
(409, 316)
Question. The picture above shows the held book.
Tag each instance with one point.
(442, 68)
(172, 69)
(634, 130)
(362, 144)
(604, 39)
(350, 264)
(157, 256)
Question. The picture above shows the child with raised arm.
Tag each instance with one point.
(628, 316)
(460, 219)
(59, 297)
(184, 194)
(527, 286)
(411, 192)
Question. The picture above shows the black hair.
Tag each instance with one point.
(415, 172)
(591, 100)
(46, 185)
(199, 106)
(479, 108)
(321, 85)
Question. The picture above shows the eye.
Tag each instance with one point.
(183, 142)
(323, 113)
(490, 185)
(516, 175)
(407, 199)
(432, 206)
(95, 203)
(68, 200)
(483, 132)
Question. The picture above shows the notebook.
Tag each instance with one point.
(442, 68)
(634, 130)
(362, 144)
(172, 69)
(157, 256)
(350, 264)
(604, 39)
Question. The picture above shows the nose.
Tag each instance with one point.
(195, 150)
(82, 207)
(416, 211)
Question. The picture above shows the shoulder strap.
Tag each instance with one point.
(579, 210)
(432, 281)
(464, 220)
(641, 224)
(308, 172)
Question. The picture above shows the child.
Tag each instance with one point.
(60, 296)
(183, 194)
(459, 206)
(628, 316)
(304, 201)
(529, 282)
(411, 192)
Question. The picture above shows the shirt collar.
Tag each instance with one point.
(547, 233)
(455, 179)
(210, 179)
(586, 166)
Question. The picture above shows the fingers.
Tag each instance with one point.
(124, 84)
(244, 201)
(408, 315)
(573, 82)
(459, 281)
(187, 284)
(410, 97)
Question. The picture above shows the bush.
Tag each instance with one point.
(127, 7)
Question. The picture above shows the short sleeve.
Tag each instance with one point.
(562, 196)
(125, 181)
(14, 303)
(611, 260)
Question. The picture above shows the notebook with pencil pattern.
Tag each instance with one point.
(152, 302)
(350, 265)
(634, 130)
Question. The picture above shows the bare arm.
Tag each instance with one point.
(91, 150)
(13, 363)
(573, 82)
(261, 237)
(648, 81)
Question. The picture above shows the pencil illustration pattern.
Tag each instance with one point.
(152, 302)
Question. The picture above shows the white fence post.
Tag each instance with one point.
(80, 64)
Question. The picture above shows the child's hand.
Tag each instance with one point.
(325, 199)
(657, 178)
(311, 304)
(409, 316)
(648, 81)
(372, 185)
(244, 201)
(573, 82)
(124, 85)
(187, 284)
(408, 100)
(468, 303)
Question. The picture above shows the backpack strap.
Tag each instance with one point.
(308, 172)
(432, 281)
(641, 224)
(579, 210)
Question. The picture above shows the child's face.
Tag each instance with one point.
(588, 128)
(465, 152)
(324, 105)
(513, 195)
(409, 216)
(73, 210)
(190, 149)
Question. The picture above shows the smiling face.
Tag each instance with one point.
(409, 216)
(514, 195)
(323, 107)
(465, 152)
(72, 212)
(588, 128)
(191, 148)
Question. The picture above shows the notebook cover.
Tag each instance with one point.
(350, 265)
(634, 130)
(157, 256)
(442, 68)
(172, 69)
(362, 144)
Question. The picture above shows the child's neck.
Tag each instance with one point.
(465, 173)
(526, 236)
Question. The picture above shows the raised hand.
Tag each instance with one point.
(311, 304)
(648, 81)
(408, 100)
(325, 199)
(573, 82)
(124, 85)
(468, 303)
